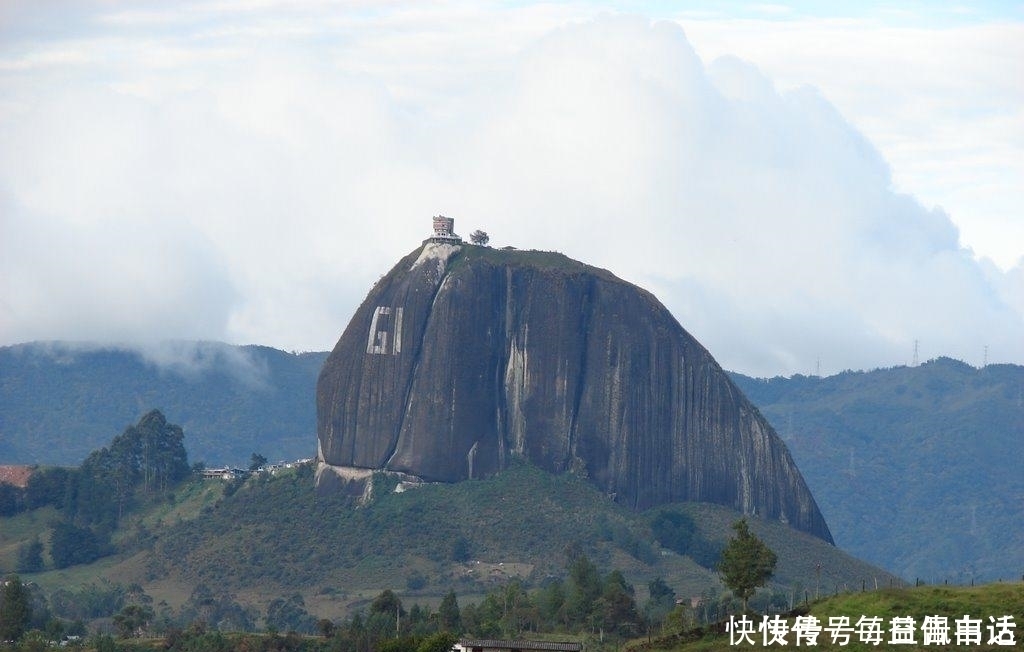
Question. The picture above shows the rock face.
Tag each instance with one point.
(464, 357)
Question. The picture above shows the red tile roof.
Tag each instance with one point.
(16, 475)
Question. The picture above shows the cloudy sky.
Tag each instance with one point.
(805, 189)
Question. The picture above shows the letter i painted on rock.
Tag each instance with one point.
(377, 341)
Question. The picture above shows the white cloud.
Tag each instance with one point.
(771, 9)
(944, 105)
(117, 280)
(248, 181)
(765, 213)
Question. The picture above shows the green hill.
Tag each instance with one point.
(273, 536)
(917, 469)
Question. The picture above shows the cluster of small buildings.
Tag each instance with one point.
(230, 473)
(224, 473)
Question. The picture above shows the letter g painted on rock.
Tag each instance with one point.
(377, 341)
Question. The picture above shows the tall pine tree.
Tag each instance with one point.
(15, 609)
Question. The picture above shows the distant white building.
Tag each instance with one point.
(224, 473)
(444, 231)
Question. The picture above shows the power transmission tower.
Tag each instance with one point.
(915, 354)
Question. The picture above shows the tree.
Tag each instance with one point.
(30, 556)
(326, 627)
(660, 591)
(133, 620)
(380, 626)
(257, 462)
(35, 641)
(677, 620)
(479, 237)
(551, 603)
(461, 549)
(399, 644)
(219, 611)
(448, 614)
(71, 545)
(674, 530)
(15, 609)
(439, 642)
(150, 455)
(49, 487)
(290, 615)
(387, 603)
(582, 590)
(12, 499)
(616, 608)
(661, 602)
(746, 564)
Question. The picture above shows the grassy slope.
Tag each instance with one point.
(1002, 599)
(20, 529)
(190, 498)
(275, 537)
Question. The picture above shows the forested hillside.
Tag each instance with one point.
(918, 469)
(255, 547)
(60, 401)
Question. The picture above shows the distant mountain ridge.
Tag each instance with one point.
(883, 451)
(60, 400)
(918, 469)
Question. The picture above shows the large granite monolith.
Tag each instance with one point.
(463, 357)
